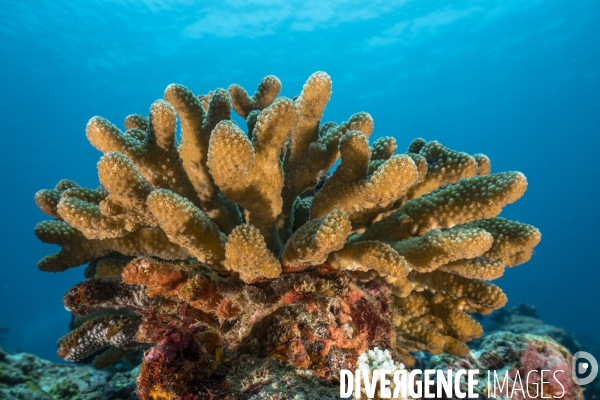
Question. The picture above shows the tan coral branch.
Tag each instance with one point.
(196, 127)
(188, 226)
(250, 173)
(362, 196)
(468, 200)
(246, 253)
(312, 243)
(268, 89)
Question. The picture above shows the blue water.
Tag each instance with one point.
(518, 80)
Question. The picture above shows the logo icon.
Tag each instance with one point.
(585, 368)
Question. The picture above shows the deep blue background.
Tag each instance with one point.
(517, 80)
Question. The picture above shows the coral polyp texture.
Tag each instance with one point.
(247, 242)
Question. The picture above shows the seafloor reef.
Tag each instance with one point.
(25, 377)
(518, 361)
(525, 319)
(244, 247)
(518, 345)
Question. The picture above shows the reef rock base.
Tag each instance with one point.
(253, 377)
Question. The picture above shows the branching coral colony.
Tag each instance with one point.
(231, 243)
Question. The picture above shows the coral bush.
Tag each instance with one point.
(236, 243)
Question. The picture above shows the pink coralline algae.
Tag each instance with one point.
(511, 367)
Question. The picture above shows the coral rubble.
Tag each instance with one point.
(517, 362)
(26, 377)
(234, 244)
(525, 319)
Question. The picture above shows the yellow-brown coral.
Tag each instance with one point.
(262, 232)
